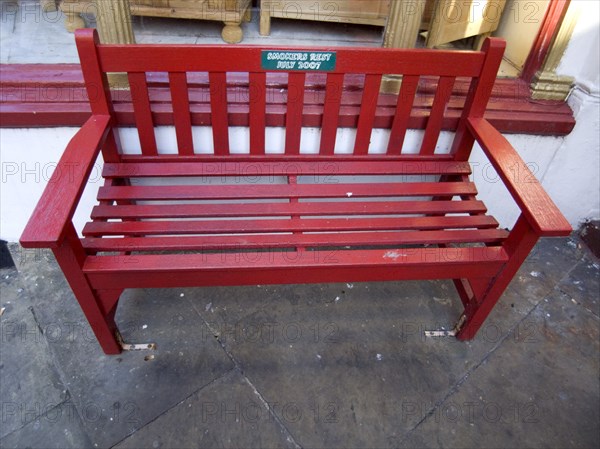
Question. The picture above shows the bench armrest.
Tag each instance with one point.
(56, 207)
(535, 204)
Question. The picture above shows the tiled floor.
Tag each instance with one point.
(337, 365)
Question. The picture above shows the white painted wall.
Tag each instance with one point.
(582, 56)
(27, 159)
(578, 158)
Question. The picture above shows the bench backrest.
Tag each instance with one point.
(220, 63)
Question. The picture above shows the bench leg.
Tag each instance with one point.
(108, 301)
(70, 256)
(519, 244)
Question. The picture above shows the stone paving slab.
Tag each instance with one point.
(583, 283)
(226, 413)
(116, 395)
(357, 356)
(538, 391)
(59, 427)
(29, 381)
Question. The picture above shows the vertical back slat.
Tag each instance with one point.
(143, 114)
(404, 105)
(219, 118)
(331, 112)
(181, 112)
(258, 106)
(96, 83)
(436, 116)
(478, 97)
(366, 118)
(295, 105)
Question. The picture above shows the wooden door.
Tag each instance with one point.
(458, 19)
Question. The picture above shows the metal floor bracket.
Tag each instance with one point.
(450, 333)
(134, 346)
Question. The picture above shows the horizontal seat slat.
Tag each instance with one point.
(205, 243)
(286, 209)
(284, 225)
(253, 169)
(260, 191)
(252, 268)
(286, 158)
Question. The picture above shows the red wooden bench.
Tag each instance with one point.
(416, 216)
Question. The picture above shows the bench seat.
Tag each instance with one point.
(375, 206)
(187, 212)
(356, 220)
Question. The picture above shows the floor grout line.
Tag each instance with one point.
(59, 372)
(454, 389)
(46, 412)
(290, 437)
(577, 303)
(237, 366)
(216, 379)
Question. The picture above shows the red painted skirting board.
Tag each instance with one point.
(47, 95)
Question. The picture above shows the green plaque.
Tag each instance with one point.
(311, 61)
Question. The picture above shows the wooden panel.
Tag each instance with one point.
(453, 20)
(283, 225)
(367, 114)
(404, 107)
(258, 167)
(181, 112)
(104, 212)
(231, 10)
(256, 241)
(434, 123)
(331, 111)
(293, 120)
(219, 117)
(143, 114)
(370, 12)
(255, 191)
(257, 118)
